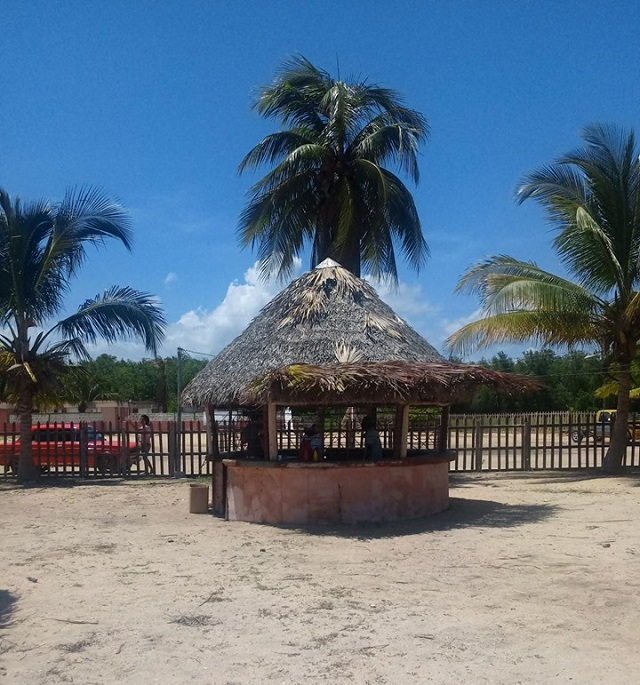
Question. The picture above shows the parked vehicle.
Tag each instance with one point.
(600, 431)
(58, 446)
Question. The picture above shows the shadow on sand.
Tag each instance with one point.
(53, 482)
(462, 513)
(7, 606)
(461, 480)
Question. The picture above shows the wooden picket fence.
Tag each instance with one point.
(526, 442)
(509, 442)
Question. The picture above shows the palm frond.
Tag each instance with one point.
(528, 285)
(542, 327)
(522, 302)
(320, 188)
(120, 312)
(593, 195)
(92, 215)
(383, 141)
(273, 148)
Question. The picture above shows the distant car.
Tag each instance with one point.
(58, 446)
(601, 429)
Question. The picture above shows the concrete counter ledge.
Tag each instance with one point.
(425, 458)
(332, 492)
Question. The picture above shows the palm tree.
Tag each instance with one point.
(592, 196)
(82, 386)
(42, 246)
(328, 186)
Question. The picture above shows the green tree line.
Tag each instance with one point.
(568, 383)
(148, 380)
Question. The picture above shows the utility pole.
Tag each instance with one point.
(177, 468)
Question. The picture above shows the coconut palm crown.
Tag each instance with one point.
(592, 197)
(329, 187)
(42, 246)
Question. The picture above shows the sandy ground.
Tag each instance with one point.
(526, 579)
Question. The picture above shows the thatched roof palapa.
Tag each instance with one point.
(329, 339)
(325, 316)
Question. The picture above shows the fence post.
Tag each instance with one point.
(124, 455)
(526, 444)
(172, 446)
(477, 444)
(84, 456)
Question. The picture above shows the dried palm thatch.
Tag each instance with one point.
(329, 339)
(326, 315)
(393, 382)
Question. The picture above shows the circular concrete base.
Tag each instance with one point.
(353, 492)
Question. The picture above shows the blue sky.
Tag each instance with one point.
(151, 101)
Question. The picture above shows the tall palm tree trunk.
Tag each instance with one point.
(347, 254)
(612, 462)
(346, 259)
(26, 469)
(349, 258)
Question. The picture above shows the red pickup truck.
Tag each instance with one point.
(58, 447)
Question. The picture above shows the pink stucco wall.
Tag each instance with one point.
(267, 492)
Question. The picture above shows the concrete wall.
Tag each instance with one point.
(336, 493)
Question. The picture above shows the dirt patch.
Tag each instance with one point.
(527, 579)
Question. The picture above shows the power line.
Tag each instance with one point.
(204, 354)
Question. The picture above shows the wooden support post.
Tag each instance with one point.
(401, 431)
(443, 433)
(349, 421)
(213, 449)
(477, 444)
(272, 433)
(320, 426)
(526, 445)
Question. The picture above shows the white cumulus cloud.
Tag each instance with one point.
(407, 300)
(452, 325)
(208, 331)
(410, 303)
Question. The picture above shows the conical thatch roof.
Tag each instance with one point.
(326, 316)
(329, 339)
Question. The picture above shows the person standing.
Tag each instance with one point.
(145, 443)
(317, 451)
(252, 438)
(372, 443)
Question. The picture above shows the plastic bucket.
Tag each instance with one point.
(198, 498)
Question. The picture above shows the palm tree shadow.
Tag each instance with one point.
(462, 513)
(7, 607)
(64, 483)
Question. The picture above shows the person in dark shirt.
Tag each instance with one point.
(371, 438)
(252, 437)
